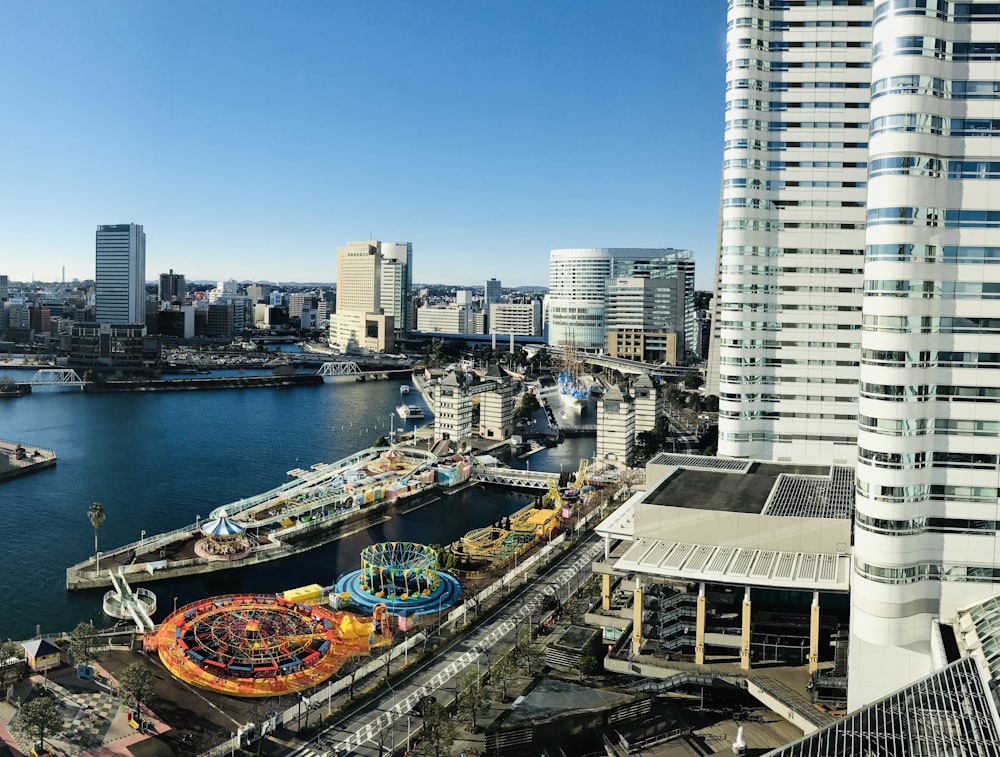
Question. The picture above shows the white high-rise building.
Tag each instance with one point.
(578, 289)
(787, 324)
(926, 526)
(120, 280)
(359, 322)
(856, 316)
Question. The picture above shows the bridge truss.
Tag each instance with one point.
(56, 377)
(339, 368)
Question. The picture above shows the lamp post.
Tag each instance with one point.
(99, 562)
(142, 537)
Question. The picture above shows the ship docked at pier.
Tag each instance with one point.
(318, 506)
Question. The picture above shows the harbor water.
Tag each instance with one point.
(156, 461)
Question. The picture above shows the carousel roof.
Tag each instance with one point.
(392, 454)
(221, 527)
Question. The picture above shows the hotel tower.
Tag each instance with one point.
(858, 292)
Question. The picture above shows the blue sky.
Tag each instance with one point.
(252, 138)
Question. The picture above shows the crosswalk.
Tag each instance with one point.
(367, 732)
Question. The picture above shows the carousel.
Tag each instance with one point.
(222, 539)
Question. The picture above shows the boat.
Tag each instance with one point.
(572, 391)
(410, 412)
(404, 389)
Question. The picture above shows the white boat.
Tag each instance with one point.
(404, 389)
(410, 412)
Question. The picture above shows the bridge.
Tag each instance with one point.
(341, 368)
(615, 363)
(56, 377)
(489, 474)
(124, 602)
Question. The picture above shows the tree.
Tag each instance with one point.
(39, 718)
(84, 643)
(135, 684)
(11, 663)
(527, 406)
(438, 733)
(693, 381)
(525, 650)
(96, 516)
(503, 671)
(473, 698)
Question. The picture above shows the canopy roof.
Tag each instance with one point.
(221, 527)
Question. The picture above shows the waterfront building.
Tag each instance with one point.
(855, 312)
(578, 289)
(452, 403)
(120, 281)
(522, 318)
(115, 345)
(496, 407)
(397, 283)
(648, 403)
(176, 321)
(219, 321)
(616, 426)
(173, 289)
(359, 322)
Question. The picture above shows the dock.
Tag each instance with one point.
(17, 459)
(320, 505)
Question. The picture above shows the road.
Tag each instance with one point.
(381, 724)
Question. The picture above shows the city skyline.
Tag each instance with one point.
(476, 132)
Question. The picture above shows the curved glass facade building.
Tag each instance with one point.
(578, 289)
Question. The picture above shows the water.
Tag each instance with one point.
(158, 460)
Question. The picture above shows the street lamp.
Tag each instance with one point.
(142, 537)
(99, 562)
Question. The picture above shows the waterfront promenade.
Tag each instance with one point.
(16, 459)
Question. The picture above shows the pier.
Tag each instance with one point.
(16, 459)
(318, 506)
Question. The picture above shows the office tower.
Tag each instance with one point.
(522, 318)
(926, 520)
(397, 282)
(648, 319)
(172, 288)
(492, 292)
(578, 286)
(359, 322)
(4, 287)
(784, 361)
(120, 281)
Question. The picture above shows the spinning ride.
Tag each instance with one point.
(260, 645)
(401, 575)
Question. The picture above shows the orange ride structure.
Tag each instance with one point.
(261, 645)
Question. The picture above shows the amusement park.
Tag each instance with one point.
(275, 658)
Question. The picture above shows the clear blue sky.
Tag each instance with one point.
(252, 138)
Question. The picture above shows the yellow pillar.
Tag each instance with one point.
(637, 618)
(699, 627)
(814, 634)
(745, 632)
(605, 592)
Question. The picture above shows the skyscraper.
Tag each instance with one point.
(787, 324)
(359, 322)
(120, 281)
(397, 282)
(578, 288)
(856, 316)
(492, 292)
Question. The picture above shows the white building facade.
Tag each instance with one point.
(856, 317)
(576, 312)
(120, 280)
(927, 510)
(521, 318)
(397, 283)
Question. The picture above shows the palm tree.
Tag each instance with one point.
(96, 515)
